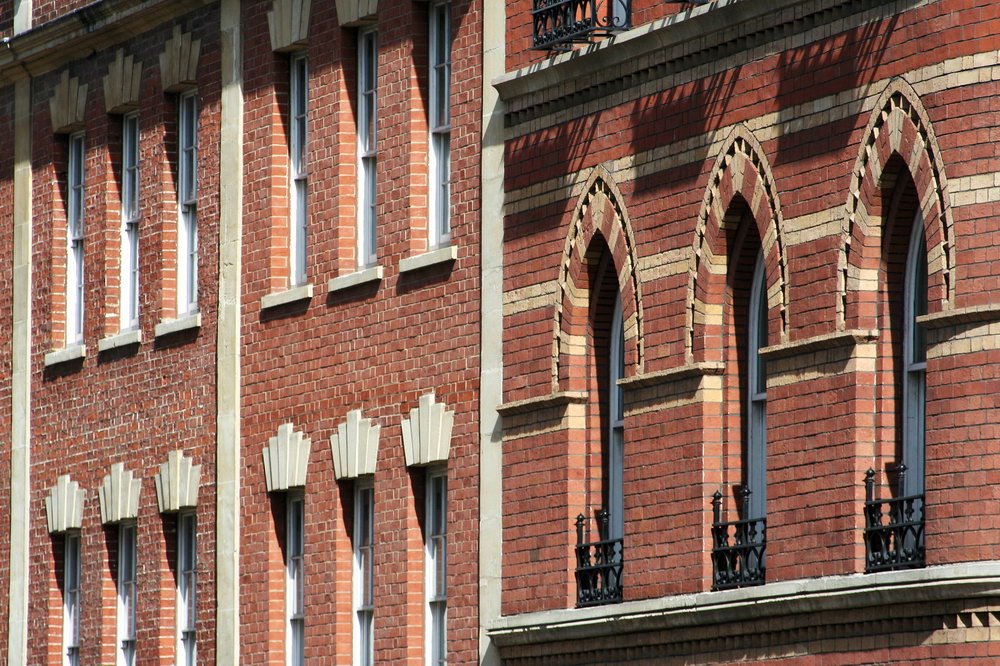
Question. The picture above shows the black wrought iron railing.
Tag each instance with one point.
(894, 528)
(599, 565)
(558, 24)
(737, 547)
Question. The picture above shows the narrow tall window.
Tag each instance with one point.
(129, 293)
(74, 241)
(366, 129)
(126, 594)
(914, 361)
(187, 201)
(298, 168)
(440, 124)
(295, 542)
(616, 423)
(187, 583)
(437, 567)
(71, 600)
(756, 453)
(364, 570)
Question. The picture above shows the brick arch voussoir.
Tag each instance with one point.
(600, 210)
(741, 170)
(899, 126)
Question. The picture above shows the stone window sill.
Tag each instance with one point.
(364, 276)
(441, 255)
(172, 326)
(302, 292)
(122, 339)
(65, 355)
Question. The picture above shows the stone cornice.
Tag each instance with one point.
(97, 26)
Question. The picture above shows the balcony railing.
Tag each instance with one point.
(558, 24)
(738, 547)
(598, 565)
(894, 528)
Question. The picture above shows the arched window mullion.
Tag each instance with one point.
(914, 361)
(756, 454)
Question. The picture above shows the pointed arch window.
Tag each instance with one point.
(894, 528)
(739, 546)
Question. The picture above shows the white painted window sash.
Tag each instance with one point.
(129, 292)
(439, 191)
(127, 593)
(298, 167)
(187, 201)
(364, 573)
(295, 580)
(436, 574)
(187, 584)
(71, 599)
(367, 145)
(74, 239)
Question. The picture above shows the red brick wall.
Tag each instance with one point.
(824, 429)
(377, 347)
(131, 405)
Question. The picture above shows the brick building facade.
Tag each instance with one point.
(243, 306)
(410, 331)
(749, 255)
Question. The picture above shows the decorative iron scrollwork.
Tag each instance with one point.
(557, 24)
(738, 547)
(599, 565)
(894, 528)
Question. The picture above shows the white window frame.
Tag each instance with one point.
(364, 572)
(616, 450)
(436, 567)
(129, 292)
(187, 588)
(756, 461)
(127, 592)
(914, 360)
(187, 203)
(295, 543)
(367, 126)
(439, 125)
(75, 186)
(71, 599)
(298, 109)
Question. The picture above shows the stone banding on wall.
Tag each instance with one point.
(600, 209)
(898, 126)
(741, 169)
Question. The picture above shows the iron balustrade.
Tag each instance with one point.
(599, 565)
(738, 547)
(894, 528)
(557, 24)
